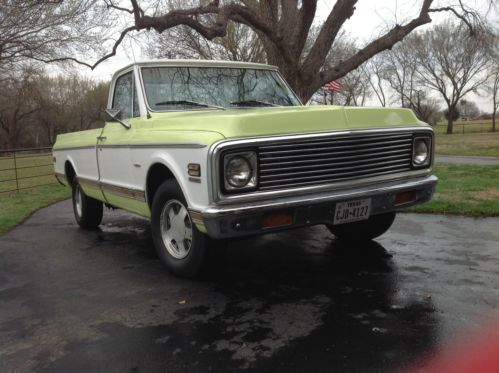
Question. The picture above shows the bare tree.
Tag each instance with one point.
(400, 67)
(49, 30)
(17, 105)
(375, 70)
(34, 108)
(355, 89)
(468, 109)
(69, 104)
(283, 28)
(240, 43)
(451, 62)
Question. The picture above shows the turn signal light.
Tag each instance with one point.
(277, 219)
(405, 197)
(194, 169)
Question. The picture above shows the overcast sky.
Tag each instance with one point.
(369, 20)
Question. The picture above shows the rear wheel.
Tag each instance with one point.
(364, 230)
(180, 245)
(87, 211)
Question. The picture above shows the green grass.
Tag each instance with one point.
(38, 170)
(465, 190)
(468, 139)
(471, 144)
(32, 170)
(14, 207)
(461, 128)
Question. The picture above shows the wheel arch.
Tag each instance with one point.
(69, 171)
(157, 174)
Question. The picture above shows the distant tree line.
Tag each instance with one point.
(35, 107)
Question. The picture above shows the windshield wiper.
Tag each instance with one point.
(188, 103)
(252, 103)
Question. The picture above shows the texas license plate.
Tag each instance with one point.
(350, 211)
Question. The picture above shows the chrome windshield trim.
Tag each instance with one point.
(216, 149)
(146, 101)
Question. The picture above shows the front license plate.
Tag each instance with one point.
(350, 211)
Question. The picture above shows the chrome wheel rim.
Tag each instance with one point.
(78, 199)
(176, 229)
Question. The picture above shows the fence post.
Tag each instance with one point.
(15, 171)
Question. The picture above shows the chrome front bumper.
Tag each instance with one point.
(227, 221)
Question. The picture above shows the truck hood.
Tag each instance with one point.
(236, 123)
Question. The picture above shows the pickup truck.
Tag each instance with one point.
(216, 150)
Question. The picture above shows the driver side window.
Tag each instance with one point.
(125, 96)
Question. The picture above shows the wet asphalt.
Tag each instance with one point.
(77, 301)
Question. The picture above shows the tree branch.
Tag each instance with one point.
(111, 5)
(342, 10)
(387, 41)
(95, 64)
(463, 17)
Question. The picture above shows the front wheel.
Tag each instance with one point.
(88, 211)
(364, 230)
(180, 245)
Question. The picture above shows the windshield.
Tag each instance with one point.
(181, 88)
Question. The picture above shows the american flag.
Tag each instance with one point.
(334, 86)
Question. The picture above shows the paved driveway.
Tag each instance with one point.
(75, 301)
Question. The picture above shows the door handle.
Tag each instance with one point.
(101, 137)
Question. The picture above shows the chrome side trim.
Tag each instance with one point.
(89, 182)
(75, 148)
(61, 178)
(162, 146)
(140, 146)
(216, 149)
(136, 194)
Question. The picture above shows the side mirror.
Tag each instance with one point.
(115, 115)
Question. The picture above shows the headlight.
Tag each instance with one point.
(240, 170)
(421, 151)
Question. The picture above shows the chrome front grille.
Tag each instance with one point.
(325, 160)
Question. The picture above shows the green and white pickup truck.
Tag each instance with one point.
(211, 150)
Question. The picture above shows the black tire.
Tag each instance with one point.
(89, 214)
(167, 197)
(364, 230)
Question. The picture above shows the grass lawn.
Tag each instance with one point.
(33, 169)
(14, 207)
(468, 139)
(465, 190)
(464, 128)
(475, 144)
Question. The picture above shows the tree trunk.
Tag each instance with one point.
(494, 121)
(450, 120)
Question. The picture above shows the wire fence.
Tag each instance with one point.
(466, 127)
(26, 168)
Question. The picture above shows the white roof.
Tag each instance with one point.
(199, 63)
